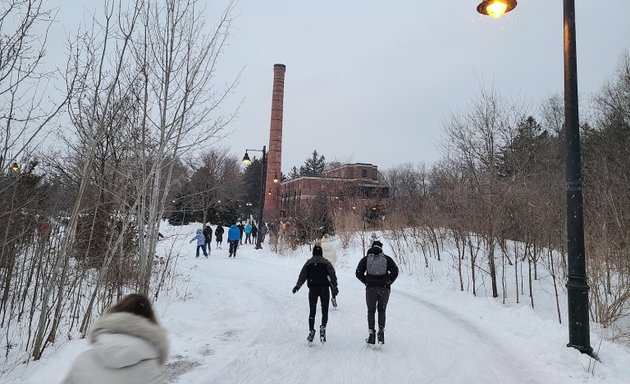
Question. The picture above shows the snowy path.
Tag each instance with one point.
(236, 321)
(256, 330)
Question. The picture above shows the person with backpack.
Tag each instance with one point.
(378, 272)
(319, 275)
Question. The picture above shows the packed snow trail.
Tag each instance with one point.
(235, 320)
(255, 331)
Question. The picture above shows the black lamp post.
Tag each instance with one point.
(577, 287)
(261, 194)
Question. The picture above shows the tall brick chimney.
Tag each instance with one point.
(272, 194)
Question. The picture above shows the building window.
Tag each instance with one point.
(364, 173)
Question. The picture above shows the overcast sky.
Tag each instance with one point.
(374, 81)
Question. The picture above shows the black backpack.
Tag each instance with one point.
(376, 264)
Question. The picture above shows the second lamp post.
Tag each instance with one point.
(261, 195)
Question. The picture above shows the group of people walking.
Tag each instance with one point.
(203, 237)
(376, 271)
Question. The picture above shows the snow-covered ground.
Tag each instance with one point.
(235, 320)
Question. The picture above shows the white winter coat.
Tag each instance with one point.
(126, 348)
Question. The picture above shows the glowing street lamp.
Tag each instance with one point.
(577, 287)
(496, 8)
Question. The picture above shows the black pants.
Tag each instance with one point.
(233, 247)
(376, 299)
(324, 297)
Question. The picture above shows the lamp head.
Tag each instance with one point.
(275, 178)
(246, 159)
(15, 168)
(496, 8)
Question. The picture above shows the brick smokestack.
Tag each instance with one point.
(272, 197)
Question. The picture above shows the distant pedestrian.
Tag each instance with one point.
(234, 236)
(207, 232)
(218, 234)
(254, 233)
(201, 242)
(262, 232)
(241, 228)
(248, 233)
(319, 275)
(378, 272)
(127, 346)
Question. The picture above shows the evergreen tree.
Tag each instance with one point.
(252, 178)
(314, 165)
(294, 173)
(526, 151)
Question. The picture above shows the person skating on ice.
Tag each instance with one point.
(319, 275)
(378, 272)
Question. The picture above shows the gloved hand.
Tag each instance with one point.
(295, 289)
(335, 291)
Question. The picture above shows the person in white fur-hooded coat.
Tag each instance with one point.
(128, 346)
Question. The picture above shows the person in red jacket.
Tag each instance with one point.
(378, 272)
(319, 275)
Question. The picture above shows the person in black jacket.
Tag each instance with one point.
(207, 232)
(377, 271)
(319, 275)
(218, 233)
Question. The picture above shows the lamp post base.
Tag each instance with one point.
(583, 349)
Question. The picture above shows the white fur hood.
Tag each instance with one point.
(110, 332)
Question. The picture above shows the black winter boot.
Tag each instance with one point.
(380, 336)
(371, 337)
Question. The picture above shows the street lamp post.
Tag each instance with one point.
(261, 194)
(577, 287)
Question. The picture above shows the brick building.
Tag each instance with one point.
(351, 186)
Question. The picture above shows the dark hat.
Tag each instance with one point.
(317, 251)
(377, 243)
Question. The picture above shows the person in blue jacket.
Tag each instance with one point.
(234, 236)
(248, 233)
(201, 242)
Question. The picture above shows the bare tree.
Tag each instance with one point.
(26, 104)
(476, 137)
(216, 177)
(176, 60)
